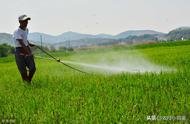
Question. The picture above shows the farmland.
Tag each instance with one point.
(61, 95)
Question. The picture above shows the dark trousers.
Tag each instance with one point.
(23, 63)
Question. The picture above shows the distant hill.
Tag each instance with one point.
(181, 33)
(60, 38)
(127, 37)
(74, 36)
(77, 36)
(84, 42)
(140, 39)
(137, 33)
(36, 36)
(74, 39)
(6, 38)
(105, 36)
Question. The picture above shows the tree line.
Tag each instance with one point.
(5, 50)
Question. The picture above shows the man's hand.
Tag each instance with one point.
(27, 51)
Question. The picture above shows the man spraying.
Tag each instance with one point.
(23, 55)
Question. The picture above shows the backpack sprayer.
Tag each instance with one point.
(59, 61)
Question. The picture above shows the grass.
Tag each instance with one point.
(61, 95)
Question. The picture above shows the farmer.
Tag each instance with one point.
(23, 55)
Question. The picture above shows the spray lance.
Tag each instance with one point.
(59, 61)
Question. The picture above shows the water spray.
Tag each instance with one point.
(121, 66)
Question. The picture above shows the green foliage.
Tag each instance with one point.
(5, 50)
(61, 95)
(161, 44)
(9, 58)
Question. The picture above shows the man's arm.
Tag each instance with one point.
(31, 44)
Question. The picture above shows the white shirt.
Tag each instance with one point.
(20, 34)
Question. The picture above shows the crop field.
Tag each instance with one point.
(125, 85)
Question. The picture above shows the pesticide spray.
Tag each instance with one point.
(122, 66)
(114, 63)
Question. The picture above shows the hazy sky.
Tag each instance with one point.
(95, 16)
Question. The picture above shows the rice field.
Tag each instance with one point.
(61, 95)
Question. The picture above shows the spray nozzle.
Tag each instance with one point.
(58, 60)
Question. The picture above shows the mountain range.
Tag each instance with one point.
(70, 36)
(74, 39)
(6, 38)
